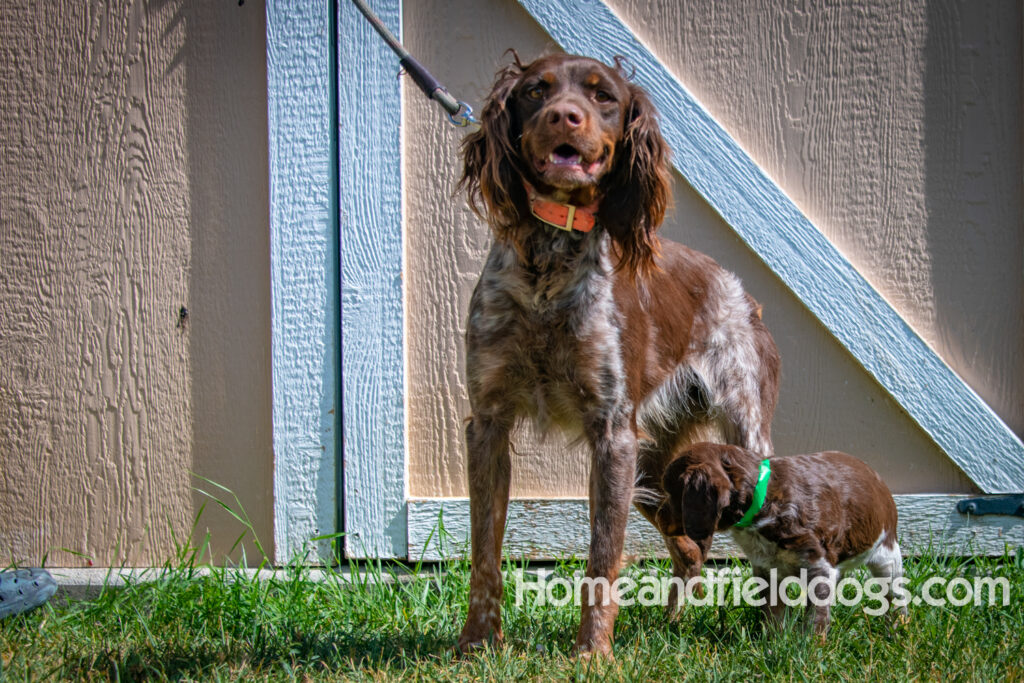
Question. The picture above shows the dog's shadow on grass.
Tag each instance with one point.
(531, 648)
(726, 626)
(361, 649)
(338, 641)
(327, 651)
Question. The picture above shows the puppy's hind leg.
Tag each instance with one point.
(886, 564)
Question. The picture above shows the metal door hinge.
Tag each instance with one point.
(996, 505)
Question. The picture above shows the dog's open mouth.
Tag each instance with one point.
(567, 158)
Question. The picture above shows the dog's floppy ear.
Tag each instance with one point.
(701, 500)
(637, 192)
(489, 172)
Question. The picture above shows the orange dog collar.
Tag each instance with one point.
(562, 216)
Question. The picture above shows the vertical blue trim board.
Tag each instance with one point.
(304, 281)
(948, 410)
(370, 202)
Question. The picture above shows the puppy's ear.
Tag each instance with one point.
(490, 159)
(738, 463)
(637, 192)
(701, 501)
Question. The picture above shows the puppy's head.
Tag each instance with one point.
(698, 490)
(576, 130)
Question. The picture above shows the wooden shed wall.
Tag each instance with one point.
(133, 183)
(896, 128)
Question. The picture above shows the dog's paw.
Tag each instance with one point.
(673, 611)
(676, 601)
(594, 653)
(593, 648)
(473, 639)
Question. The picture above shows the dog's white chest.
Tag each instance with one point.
(764, 553)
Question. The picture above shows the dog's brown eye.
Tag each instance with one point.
(535, 93)
(602, 96)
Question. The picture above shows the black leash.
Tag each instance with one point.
(459, 113)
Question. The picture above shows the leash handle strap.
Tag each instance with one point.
(422, 78)
(419, 74)
(434, 90)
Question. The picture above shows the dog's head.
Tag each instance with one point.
(578, 131)
(700, 484)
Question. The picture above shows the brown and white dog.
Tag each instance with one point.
(584, 320)
(826, 513)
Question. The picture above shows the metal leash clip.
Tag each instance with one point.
(464, 118)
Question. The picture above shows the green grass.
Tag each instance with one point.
(177, 625)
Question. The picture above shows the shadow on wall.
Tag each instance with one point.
(224, 57)
(973, 167)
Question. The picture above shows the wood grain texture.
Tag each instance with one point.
(370, 203)
(102, 194)
(559, 528)
(827, 400)
(765, 218)
(304, 275)
(895, 126)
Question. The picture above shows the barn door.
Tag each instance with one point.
(409, 258)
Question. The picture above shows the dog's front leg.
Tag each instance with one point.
(687, 557)
(822, 581)
(489, 474)
(612, 473)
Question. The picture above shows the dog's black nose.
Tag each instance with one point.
(565, 114)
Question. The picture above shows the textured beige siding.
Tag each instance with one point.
(132, 185)
(896, 127)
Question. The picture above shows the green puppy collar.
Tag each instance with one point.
(763, 475)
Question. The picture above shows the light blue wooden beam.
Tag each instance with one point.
(304, 274)
(555, 528)
(770, 223)
(370, 197)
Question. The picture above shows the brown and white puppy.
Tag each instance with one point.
(826, 513)
(632, 344)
